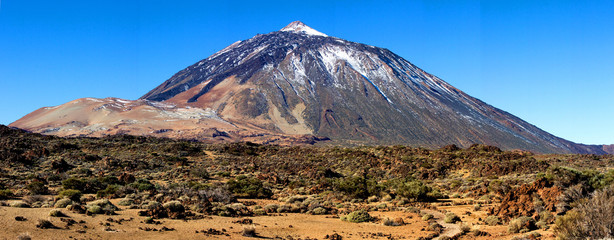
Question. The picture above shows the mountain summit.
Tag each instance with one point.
(301, 82)
(300, 27)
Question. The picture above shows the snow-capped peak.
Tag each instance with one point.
(299, 27)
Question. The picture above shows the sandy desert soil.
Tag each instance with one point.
(127, 224)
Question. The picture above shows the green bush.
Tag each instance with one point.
(319, 211)
(416, 190)
(246, 187)
(110, 191)
(5, 194)
(142, 185)
(95, 209)
(357, 187)
(358, 217)
(74, 183)
(567, 176)
(37, 187)
(71, 194)
(90, 185)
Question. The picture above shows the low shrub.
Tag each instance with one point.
(593, 218)
(521, 225)
(358, 216)
(45, 224)
(95, 209)
(126, 202)
(74, 183)
(101, 206)
(199, 172)
(5, 194)
(416, 190)
(150, 205)
(492, 220)
(142, 185)
(435, 227)
(19, 204)
(427, 216)
(62, 203)
(71, 194)
(319, 211)
(357, 187)
(570, 226)
(451, 218)
(271, 208)
(56, 213)
(245, 187)
(37, 187)
(174, 206)
(110, 191)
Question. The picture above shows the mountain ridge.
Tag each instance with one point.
(298, 81)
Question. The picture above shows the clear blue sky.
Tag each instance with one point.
(550, 63)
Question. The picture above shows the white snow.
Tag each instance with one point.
(160, 104)
(299, 70)
(123, 101)
(93, 99)
(299, 27)
(377, 88)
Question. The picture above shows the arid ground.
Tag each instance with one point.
(126, 187)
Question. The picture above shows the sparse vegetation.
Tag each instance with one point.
(194, 180)
(592, 218)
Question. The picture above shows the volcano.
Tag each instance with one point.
(300, 85)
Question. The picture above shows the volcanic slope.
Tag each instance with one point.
(299, 81)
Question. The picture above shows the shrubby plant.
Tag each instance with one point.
(593, 218)
(245, 187)
(521, 224)
(358, 217)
